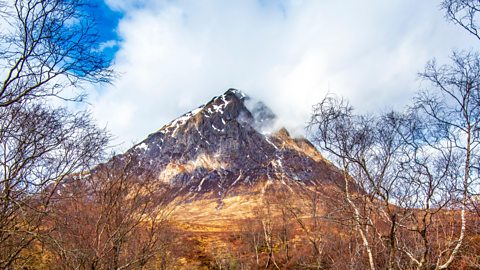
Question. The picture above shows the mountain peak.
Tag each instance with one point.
(221, 145)
(233, 105)
(237, 93)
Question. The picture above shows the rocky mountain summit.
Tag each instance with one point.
(223, 148)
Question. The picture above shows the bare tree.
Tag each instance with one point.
(402, 172)
(39, 148)
(251, 236)
(464, 13)
(267, 220)
(352, 142)
(46, 46)
(452, 110)
(111, 219)
(428, 171)
(301, 212)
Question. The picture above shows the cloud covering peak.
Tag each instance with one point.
(176, 55)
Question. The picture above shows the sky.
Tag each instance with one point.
(174, 55)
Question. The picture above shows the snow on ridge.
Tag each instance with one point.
(217, 105)
(270, 142)
(176, 123)
(220, 108)
(238, 178)
(199, 187)
(143, 146)
(218, 129)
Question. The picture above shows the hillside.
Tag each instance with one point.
(222, 158)
(219, 188)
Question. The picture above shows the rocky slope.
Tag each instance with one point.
(223, 149)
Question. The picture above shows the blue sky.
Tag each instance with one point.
(175, 55)
(108, 20)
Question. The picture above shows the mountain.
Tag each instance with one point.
(220, 188)
(213, 181)
(223, 149)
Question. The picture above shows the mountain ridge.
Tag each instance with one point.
(221, 149)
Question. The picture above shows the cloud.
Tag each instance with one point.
(176, 55)
(107, 45)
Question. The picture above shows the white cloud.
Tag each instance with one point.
(176, 55)
(107, 45)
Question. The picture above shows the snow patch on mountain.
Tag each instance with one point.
(143, 146)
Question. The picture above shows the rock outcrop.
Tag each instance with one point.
(223, 149)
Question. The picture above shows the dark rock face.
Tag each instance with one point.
(219, 146)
